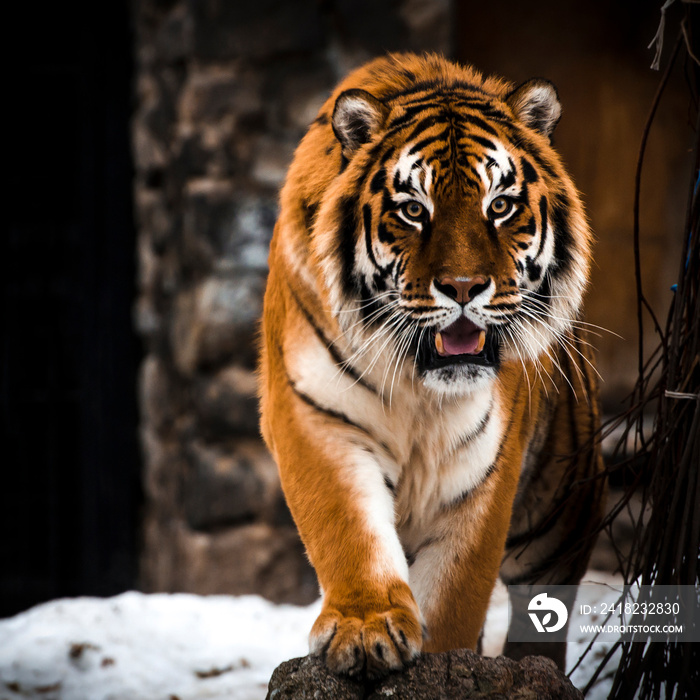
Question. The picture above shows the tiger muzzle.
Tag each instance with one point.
(462, 342)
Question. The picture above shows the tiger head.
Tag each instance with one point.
(445, 227)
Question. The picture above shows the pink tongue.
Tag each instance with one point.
(461, 338)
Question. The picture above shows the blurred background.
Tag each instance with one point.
(147, 144)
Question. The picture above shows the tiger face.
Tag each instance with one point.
(465, 243)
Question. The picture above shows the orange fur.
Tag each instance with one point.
(401, 475)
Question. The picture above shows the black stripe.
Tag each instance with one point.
(385, 236)
(465, 440)
(568, 549)
(493, 467)
(491, 230)
(405, 72)
(327, 411)
(347, 240)
(310, 209)
(438, 153)
(419, 145)
(485, 107)
(423, 125)
(429, 89)
(399, 123)
(476, 121)
(435, 88)
(533, 150)
(486, 143)
(530, 228)
(370, 306)
(507, 292)
(564, 489)
(534, 271)
(411, 111)
(505, 306)
(379, 282)
(529, 172)
(424, 308)
(473, 183)
(378, 181)
(333, 351)
(548, 520)
(563, 238)
(507, 180)
(330, 413)
(545, 289)
(427, 233)
(367, 222)
(338, 415)
(411, 556)
(543, 224)
(468, 492)
(400, 186)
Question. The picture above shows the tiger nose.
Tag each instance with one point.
(462, 290)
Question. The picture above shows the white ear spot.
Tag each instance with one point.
(536, 104)
(357, 116)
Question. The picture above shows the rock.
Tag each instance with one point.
(230, 484)
(217, 321)
(429, 24)
(154, 217)
(249, 559)
(227, 402)
(216, 93)
(457, 674)
(258, 30)
(163, 472)
(308, 678)
(303, 85)
(174, 35)
(158, 399)
(232, 228)
(272, 161)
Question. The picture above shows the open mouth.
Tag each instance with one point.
(462, 342)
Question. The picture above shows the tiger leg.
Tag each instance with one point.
(559, 505)
(370, 621)
(456, 567)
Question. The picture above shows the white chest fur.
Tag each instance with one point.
(432, 450)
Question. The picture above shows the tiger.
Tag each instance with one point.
(427, 387)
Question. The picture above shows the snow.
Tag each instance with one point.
(180, 647)
(142, 647)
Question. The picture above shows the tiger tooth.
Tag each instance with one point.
(482, 342)
(438, 343)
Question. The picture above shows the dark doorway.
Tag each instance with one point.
(69, 490)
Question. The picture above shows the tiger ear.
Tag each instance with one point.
(536, 104)
(356, 118)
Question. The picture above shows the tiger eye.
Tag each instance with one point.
(413, 210)
(500, 206)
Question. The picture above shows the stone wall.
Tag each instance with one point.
(224, 92)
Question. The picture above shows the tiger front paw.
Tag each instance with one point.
(353, 641)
